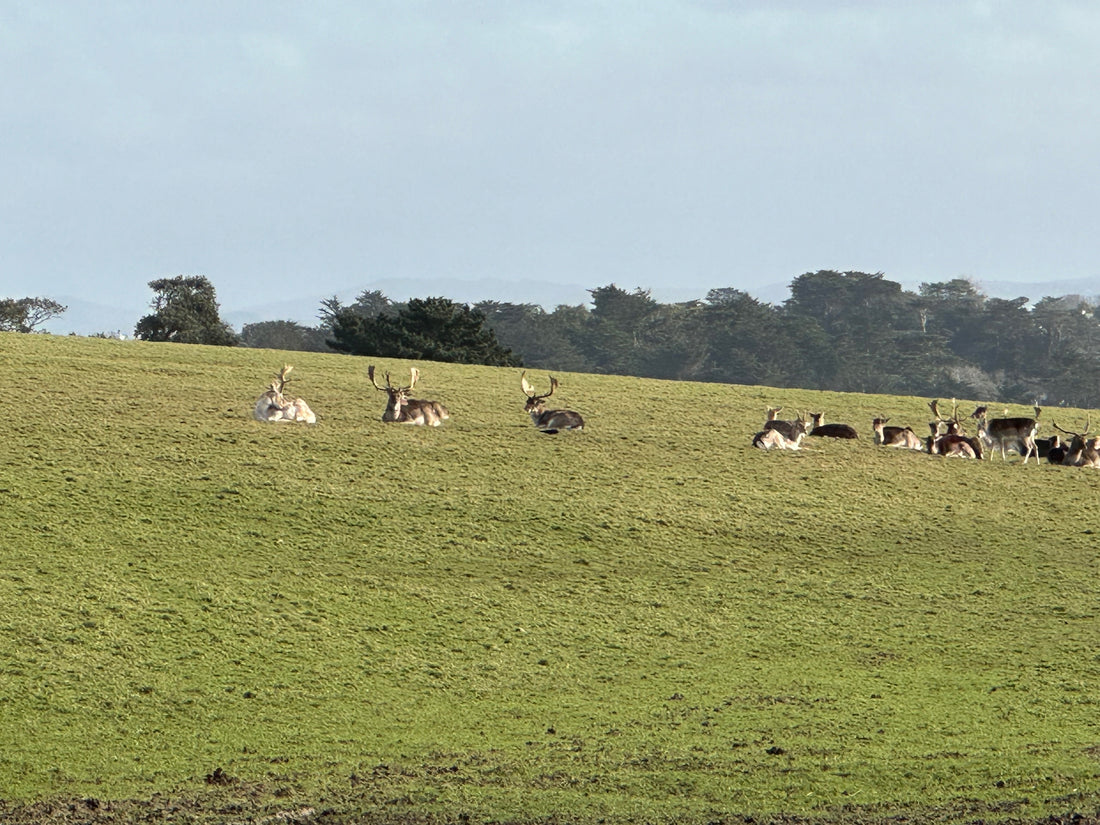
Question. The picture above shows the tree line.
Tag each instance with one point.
(841, 331)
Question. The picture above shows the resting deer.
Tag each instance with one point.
(953, 441)
(949, 444)
(789, 429)
(902, 437)
(548, 421)
(1011, 434)
(1083, 449)
(774, 439)
(819, 428)
(273, 406)
(405, 410)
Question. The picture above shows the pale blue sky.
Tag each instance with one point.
(291, 150)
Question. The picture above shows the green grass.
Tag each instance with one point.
(647, 620)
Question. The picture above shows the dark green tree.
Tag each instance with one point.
(288, 335)
(432, 329)
(185, 311)
(25, 314)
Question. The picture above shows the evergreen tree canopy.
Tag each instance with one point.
(432, 329)
(185, 312)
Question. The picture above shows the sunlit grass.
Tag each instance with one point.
(646, 619)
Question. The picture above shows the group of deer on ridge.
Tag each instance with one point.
(274, 405)
(946, 438)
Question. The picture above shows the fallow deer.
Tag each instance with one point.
(273, 406)
(404, 410)
(1056, 449)
(819, 428)
(902, 437)
(1083, 450)
(789, 429)
(1010, 434)
(951, 442)
(774, 439)
(548, 421)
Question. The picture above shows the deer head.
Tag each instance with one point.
(536, 402)
(273, 406)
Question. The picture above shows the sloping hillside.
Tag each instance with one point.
(646, 620)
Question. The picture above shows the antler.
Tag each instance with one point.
(1088, 423)
(415, 373)
(281, 377)
(529, 391)
(935, 407)
(370, 374)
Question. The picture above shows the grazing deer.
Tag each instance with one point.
(1083, 449)
(405, 410)
(1012, 434)
(790, 429)
(273, 406)
(819, 428)
(774, 439)
(548, 421)
(902, 437)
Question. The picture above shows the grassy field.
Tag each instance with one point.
(647, 621)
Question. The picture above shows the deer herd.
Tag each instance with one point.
(947, 436)
(274, 405)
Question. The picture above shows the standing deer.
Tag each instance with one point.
(902, 437)
(405, 410)
(1083, 449)
(273, 406)
(548, 421)
(819, 428)
(1011, 434)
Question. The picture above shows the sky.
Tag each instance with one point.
(293, 151)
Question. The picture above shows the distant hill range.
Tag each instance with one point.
(93, 318)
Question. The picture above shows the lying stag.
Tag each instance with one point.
(902, 437)
(950, 444)
(953, 441)
(789, 429)
(819, 428)
(1083, 449)
(405, 410)
(1011, 434)
(774, 439)
(273, 406)
(548, 421)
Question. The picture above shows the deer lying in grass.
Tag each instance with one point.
(548, 421)
(953, 441)
(775, 440)
(902, 437)
(405, 410)
(273, 406)
(1011, 434)
(789, 429)
(1083, 450)
(818, 428)
(949, 444)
